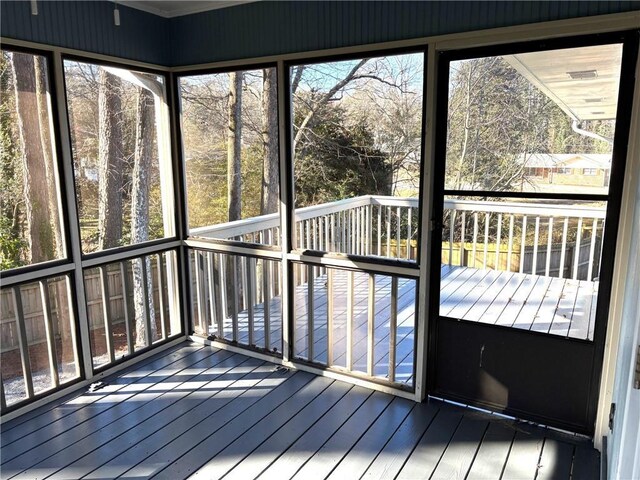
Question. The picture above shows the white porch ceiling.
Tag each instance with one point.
(177, 8)
(582, 81)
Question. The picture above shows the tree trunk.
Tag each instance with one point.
(140, 210)
(110, 160)
(40, 237)
(270, 177)
(467, 127)
(42, 87)
(234, 138)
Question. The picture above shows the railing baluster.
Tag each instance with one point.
(398, 228)
(266, 304)
(234, 303)
(524, 242)
(452, 220)
(393, 328)
(350, 294)
(335, 233)
(147, 307)
(547, 266)
(251, 276)
(343, 232)
(48, 326)
(317, 239)
(577, 255)
(219, 294)
(128, 315)
(371, 314)
(363, 228)
(563, 251)
(199, 289)
(408, 256)
(310, 316)
(329, 316)
(498, 239)
(388, 219)
(22, 342)
(211, 295)
(354, 230)
(244, 304)
(463, 227)
(358, 231)
(510, 246)
(536, 238)
(475, 239)
(106, 312)
(379, 230)
(592, 249)
(369, 224)
(487, 217)
(327, 233)
(164, 320)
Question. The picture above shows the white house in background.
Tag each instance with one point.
(550, 172)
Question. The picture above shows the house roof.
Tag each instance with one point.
(582, 81)
(573, 160)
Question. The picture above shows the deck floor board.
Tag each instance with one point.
(211, 413)
(530, 302)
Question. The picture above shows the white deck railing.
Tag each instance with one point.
(547, 239)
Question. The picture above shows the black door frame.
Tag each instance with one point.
(447, 375)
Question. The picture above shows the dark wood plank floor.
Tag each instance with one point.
(208, 413)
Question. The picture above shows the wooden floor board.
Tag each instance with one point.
(435, 440)
(287, 435)
(220, 414)
(175, 439)
(97, 403)
(331, 453)
(556, 460)
(516, 303)
(67, 447)
(529, 311)
(493, 452)
(295, 456)
(70, 404)
(241, 439)
(461, 451)
(209, 437)
(47, 413)
(522, 462)
(364, 452)
(394, 454)
(123, 451)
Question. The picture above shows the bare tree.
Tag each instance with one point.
(42, 87)
(270, 177)
(110, 161)
(234, 145)
(140, 211)
(41, 237)
(323, 99)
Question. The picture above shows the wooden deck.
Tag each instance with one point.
(542, 304)
(195, 410)
(558, 306)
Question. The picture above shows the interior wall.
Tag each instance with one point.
(89, 26)
(269, 28)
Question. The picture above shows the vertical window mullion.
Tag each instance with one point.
(74, 249)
